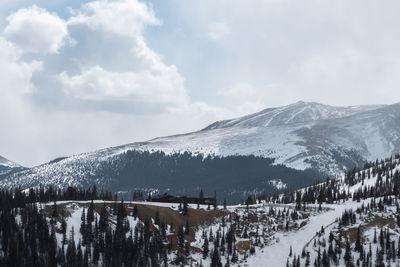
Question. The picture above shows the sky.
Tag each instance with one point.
(77, 76)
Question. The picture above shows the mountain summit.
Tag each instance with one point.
(299, 112)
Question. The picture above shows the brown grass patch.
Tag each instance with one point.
(380, 222)
(376, 221)
(243, 246)
(253, 217)
(168, 216)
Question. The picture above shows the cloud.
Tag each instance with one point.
(122, 74)
(15, 86)
(160, 88)
(123, 17)
(16, 73)
(35, 30)
(248, 98)
(347, 76)
(218, 31)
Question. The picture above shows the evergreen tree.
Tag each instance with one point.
(205, 248)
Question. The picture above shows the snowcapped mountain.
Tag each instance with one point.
(299, 112)
(301, 136)
(7, 166)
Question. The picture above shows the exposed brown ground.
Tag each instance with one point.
(377, 221)
(194, 217)
(168, 216)
(243, 246)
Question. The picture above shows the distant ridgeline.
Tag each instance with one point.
(185, 174)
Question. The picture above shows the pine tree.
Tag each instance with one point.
(215, 200)
(185, 208)
(181, 238)
(215, 259)
(83, 226)
(348, 259)
(90, 213)
(135, 212)
(358, 245)
(205, 248)
(103, 222)
(379, 259)
(325, 259)
(187, 228)
(235, 257)
(55, 211)
(157, 219)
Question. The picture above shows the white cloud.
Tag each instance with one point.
(36, 30)
(347, 76)
(218, 31)
(124, 17)
(248, 98)
(136, 74)
(15, 85)
(146, 87)
(239, 90)
(16, 74)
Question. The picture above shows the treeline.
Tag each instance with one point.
(18, 198)
(334, 190)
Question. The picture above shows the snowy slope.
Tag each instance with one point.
(299, 112)
(7, 166)
(301, 135)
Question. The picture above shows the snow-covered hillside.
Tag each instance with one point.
(7, 166)
(302, 135)
(299, 112)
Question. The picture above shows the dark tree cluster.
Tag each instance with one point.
(51, 194)
(335, 190)
(28, 237)
(230, 176)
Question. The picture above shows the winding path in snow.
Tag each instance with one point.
(276, 254)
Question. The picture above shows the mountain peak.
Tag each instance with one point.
(8, 163)
(299, 112)
(7, 166)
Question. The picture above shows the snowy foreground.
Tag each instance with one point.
(350, 221)
(276, 242)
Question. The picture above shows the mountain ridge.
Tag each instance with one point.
(330, 140)
(7, 166)
(316, 111)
